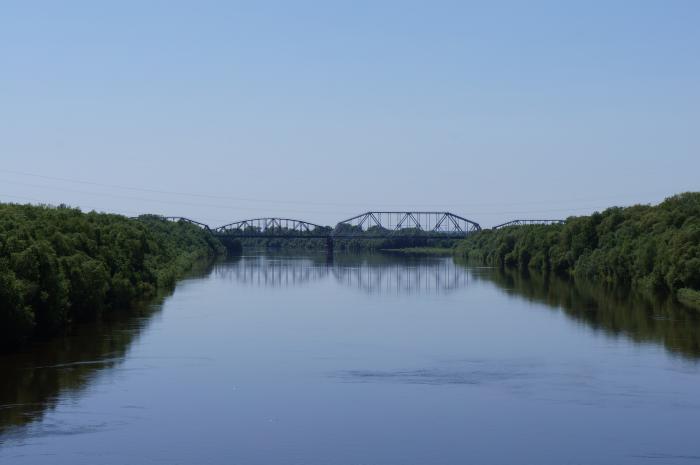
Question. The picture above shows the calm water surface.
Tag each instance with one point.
(363, 360)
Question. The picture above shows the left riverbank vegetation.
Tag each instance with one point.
(652, 248)
(59, 265)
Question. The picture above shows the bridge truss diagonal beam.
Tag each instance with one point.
(522, 222)
(268, 225)
(387, 223)
(372, 224)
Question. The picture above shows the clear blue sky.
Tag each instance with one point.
(319, 110)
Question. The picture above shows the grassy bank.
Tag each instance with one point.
(59, 265)
(655, 248)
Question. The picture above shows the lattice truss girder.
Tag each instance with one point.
(427, 222)
(527, 222)
(268, 224)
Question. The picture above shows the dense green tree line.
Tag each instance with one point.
(372, 239)
(59, 265)
(650, 247)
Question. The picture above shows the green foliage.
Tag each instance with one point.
(655, 248)
(59, 265)
(689, 297)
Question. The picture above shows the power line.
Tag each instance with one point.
(97, 209)
(168, 192)
(162, 201)
(307, 202)
(257, 209)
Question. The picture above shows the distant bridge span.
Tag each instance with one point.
(368, 225)
(526, 223)
(258, 226)
(420, 222)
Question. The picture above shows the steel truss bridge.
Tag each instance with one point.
(396, 223)
(368, 225)
(278, 227)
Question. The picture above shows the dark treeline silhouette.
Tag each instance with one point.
(655, 248)
(59, 265)
(340, 239)
(617, 310)
(360, 244)
(277, 243)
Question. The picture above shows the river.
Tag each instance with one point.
(362, 360)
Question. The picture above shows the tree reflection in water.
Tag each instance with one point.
(615, 311)
(34, 381)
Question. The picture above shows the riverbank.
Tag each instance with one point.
(59, 265)
(653, 248)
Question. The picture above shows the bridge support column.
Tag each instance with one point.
(329, 245)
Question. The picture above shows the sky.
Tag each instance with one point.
(222, 111)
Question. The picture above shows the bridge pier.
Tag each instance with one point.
(329, 245)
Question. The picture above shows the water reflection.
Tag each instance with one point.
(44, 376)
(616, 312)
(373, 274)
(35, 380)
(264, 271)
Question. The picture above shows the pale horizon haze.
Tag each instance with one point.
(222, 111)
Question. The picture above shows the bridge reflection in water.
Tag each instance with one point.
(273, 272)
(373, 274)
(51, 374)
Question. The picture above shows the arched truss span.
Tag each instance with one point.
(177, 219)
(527, 222)
(268, 225)
(396, 222)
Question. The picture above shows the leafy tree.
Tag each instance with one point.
(655, 248)
(59, 265)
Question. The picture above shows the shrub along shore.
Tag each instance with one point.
(59, 265)
(654, 248)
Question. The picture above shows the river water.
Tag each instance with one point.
(363, 360)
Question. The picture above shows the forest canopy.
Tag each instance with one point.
(651, 247)
(59, 265)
